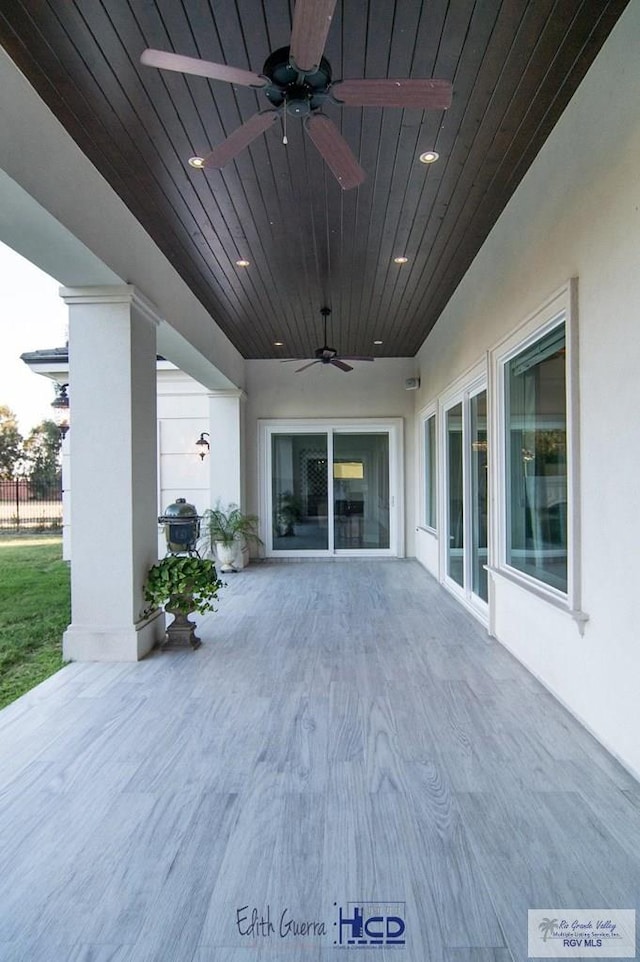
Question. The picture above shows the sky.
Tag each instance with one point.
(32, 316)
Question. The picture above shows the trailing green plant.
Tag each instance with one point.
(224, 526)
(182, 583)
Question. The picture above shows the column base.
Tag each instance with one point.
(112, 643)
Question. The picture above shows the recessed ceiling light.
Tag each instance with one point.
(278, 343)
(197, 162)
(400, 260)
(243, 263)
(429, 157)
(377, 342)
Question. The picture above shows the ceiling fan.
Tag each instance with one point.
(297, 80)
(326, 354)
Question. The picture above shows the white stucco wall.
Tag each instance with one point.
(183, 413)
(186, 409)
(371, 390)
(577, 213)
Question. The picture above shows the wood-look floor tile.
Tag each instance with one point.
(478, 955)
(545, 849)
(346, 732)
(447, 865)
(172, 923)
(245, 869)
(30, 950)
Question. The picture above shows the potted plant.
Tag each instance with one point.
(227, 530)
(182, 584)
(288, 513)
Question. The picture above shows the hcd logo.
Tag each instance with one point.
(371, 924)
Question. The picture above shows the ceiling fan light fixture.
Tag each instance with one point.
(297, 80)
(429, 157)
(400, 260)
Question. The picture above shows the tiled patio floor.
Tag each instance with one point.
(346, 733)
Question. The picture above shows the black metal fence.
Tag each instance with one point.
(28, 507)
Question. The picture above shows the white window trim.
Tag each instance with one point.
(560, 306)
(465, 387)
(424, 415)
(394, 426)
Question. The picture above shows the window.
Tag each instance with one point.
(535, 460)
(535, 385)
(430, 517)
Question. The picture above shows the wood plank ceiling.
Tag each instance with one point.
(513, 64)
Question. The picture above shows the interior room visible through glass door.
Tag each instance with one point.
(361, 491)
(478, 457)
(299, 476)
(455, 495)
(466, 489)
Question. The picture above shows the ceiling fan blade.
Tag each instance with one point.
(201, 68)
(341, 365)
(355, 357)
(240, 138)
(311, 22)
(297, 371)
(335, 150)
(422, 94)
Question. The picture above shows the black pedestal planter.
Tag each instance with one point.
(182, 584)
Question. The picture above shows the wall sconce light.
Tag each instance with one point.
(61, 409)
(203, 446)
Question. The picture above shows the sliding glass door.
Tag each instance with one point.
(455, 495)
(361, 491)
(478, 493)
(331, 491)
(299, 492)
(466, 502)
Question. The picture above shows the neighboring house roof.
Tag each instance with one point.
(52, 355)
(46, 355)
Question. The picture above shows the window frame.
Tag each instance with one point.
(394, 426)
(561, 307)
(461, 391)
(429, 413)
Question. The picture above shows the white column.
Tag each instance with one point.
(112, 365)
(65, 451)
(226, 462)
(226, 415)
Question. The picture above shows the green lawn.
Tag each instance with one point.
(34, 612)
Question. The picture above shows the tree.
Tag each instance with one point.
(10, 442)
(547, 927)
(41, 451)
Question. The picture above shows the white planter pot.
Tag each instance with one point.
(242, 554)
(226, 555)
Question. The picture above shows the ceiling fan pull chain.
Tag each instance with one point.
(285, 141)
